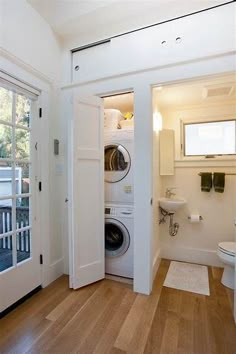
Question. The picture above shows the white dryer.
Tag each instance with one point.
(118, 166)
(119, 240)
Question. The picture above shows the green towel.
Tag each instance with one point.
(206, 181)
(219, 182)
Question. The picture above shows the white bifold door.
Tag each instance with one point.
(86, 192)
(20, 270)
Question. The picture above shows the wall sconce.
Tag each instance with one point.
(157, 121)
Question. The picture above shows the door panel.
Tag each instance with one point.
(87, 193)
(20, 270)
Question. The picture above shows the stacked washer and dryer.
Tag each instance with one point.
(119, 211)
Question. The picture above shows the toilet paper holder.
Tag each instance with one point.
(200, 217)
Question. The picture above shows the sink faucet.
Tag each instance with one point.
(169, 192)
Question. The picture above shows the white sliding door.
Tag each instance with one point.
(86, 196)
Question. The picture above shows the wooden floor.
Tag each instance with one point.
(107, 317)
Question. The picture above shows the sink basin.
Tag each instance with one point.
(171, 204)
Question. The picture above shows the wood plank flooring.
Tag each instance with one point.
(109, 318)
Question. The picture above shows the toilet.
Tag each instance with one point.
(226, 253)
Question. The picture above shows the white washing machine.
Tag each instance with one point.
(119, 240)
(118, 166)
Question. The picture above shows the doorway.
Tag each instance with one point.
(20, 271)
(201, 113)
(118, 185)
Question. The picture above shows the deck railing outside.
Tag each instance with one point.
(22, 220)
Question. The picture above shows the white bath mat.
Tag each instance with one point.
(188, 277)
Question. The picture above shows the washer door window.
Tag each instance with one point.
(116, 163)
(117, 239)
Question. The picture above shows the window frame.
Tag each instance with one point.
(15, 162)
(184, 122)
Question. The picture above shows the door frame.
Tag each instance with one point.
(29, 268)
(27, 74)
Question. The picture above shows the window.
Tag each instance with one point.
(210, 138)
(15, 178)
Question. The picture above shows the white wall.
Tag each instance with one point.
(26, 35)
(136, 51)
(31, 52)
(198, 242)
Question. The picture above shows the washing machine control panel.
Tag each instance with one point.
(119, 211)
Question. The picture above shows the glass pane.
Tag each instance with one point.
(113, 237)
(6, 256)
(23, 110)
(6, 174)
(22, 173)
(22, 213)
(23, 241)
(5, 105)
(5, 215)
(214, 138)
(22, 144)
(5, 141)
(114, 159)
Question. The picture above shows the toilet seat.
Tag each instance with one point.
(226, 252)
(228, 248)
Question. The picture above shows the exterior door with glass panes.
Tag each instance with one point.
(19, 237)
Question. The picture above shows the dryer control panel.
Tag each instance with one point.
(121, 211)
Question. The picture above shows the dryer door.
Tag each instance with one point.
(116, 163)
(117, 238)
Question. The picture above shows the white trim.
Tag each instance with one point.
(156, 263)
(26, 67)
(14, 84)
(230, 163)
(23, 71)
(149, 70)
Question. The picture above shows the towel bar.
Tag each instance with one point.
(227, 174)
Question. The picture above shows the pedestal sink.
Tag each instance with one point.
(171, 204)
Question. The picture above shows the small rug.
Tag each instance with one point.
(188, 277)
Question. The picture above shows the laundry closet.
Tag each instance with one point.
(119, 185)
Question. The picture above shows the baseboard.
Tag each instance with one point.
(193, 255)
(54, 271)
(156, 263)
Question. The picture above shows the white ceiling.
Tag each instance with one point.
(182, 95)
(91, 20)
(199, 92)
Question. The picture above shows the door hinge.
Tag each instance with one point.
(40, 112)
(41, 259)
(40, 186)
